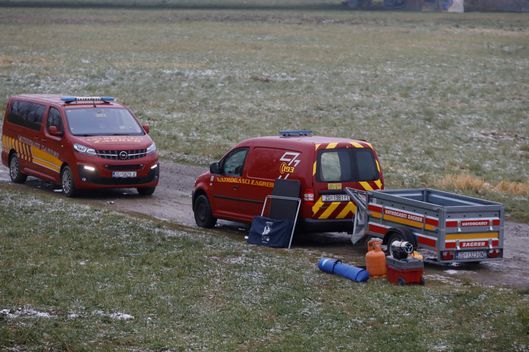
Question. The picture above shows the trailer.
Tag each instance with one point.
(445, 227)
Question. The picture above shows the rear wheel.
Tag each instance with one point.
(202, 211)
(68, 185)
(400, 235)
(146, 191)
(14, 170)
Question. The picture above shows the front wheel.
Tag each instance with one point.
(202, 212)
(68, 185)
(146, 191)
(14, 170)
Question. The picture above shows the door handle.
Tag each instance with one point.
(235, 188)
(43, 140)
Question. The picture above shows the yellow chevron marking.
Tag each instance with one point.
(330, 209)
(331, 145)
(316, 207)
(357, 145)
(378, 165)
(314, 169)
(366, 186)
(349, 208)
(316, 146)
(378, 183)
(471, 236)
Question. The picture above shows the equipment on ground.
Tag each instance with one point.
(375, 258)
(335, 266)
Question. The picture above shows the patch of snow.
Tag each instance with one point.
(26, 311)
(115, 315)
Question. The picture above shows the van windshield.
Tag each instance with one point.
(102, 122)
(347, 165)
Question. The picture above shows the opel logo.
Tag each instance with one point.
(123, 155)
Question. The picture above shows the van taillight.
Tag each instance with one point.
(308, 196)
(445, 255)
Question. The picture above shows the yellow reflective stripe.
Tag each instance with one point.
(45, 159)
(471, 236)
(357, 145)
(402, 221)
(349, 208)
(378, 183)
(330, 209)
(316, 146)
(316, 207)
(375, 214)
(378, 165)
(331, 145)
(314, 169)
(366, 186)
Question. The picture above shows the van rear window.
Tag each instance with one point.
(347, 165)
(26, 114)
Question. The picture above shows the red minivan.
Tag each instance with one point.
(236, 186)
(78, 143)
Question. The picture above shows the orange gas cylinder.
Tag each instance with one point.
(375, 259)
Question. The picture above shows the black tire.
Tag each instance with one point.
(202, 212)
(14, 170)
(67, 182)
(401, 282)
(400, 235)
(146, 191)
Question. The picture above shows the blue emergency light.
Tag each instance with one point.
(70, 99)
(295, 133)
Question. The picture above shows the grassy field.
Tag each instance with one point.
(77, 278)
(442, 97)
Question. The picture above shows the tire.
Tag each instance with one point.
(401, 282)
(14, 170)
(146, 191)
(400, 235)
(202, 212)
(67, 182)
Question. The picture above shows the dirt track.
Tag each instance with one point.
(172, 202)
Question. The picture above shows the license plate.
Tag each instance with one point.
(123, 174)
(471, 255)
(335, 198)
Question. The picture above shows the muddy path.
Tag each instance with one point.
(172, 202)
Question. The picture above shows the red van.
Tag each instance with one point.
(236, 186)
(79, 143)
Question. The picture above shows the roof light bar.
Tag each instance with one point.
(70, 99)
(295, 133)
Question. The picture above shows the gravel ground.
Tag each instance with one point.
(172, 202)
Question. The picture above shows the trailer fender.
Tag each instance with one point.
(399, 234)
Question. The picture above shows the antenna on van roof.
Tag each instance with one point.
(295, 133)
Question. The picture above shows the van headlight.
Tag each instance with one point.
(84, 149)
(151, 149)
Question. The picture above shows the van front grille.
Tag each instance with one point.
(122, 154)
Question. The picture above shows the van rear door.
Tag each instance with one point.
(340, 165)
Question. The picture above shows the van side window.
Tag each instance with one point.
(54, 119)
(234, 162)
(26, 114)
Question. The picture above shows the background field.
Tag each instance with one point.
(76, 278)
(442, 97)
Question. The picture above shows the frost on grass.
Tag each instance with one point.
(25, 312)
(114, 315)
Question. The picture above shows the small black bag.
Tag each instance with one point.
(270, 232)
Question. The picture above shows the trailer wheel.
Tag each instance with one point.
(400, 234)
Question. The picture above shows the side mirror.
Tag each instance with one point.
(54, 131)
(146, 128)
(214, 168)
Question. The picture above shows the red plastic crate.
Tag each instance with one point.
(405, 272)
